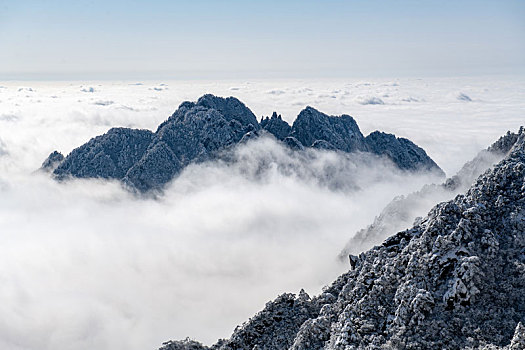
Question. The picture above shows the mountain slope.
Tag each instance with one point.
(402, 211)
(453, 281)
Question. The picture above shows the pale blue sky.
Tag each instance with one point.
(256, 39)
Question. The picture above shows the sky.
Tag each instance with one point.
(204, 39)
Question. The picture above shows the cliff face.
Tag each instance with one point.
(109, 156)
(315, 129)
(453, 281)
(276, 126)
(198, 131)
(403, 152)
(341, 133)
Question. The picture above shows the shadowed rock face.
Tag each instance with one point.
(194, 133)
(403, 152)
(198, 131)
(108, 156)
(453, 281)
(318, 130)
(341, 132)
(230, 108)
(276, 126)
(52, 161)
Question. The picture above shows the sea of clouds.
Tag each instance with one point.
(86, 265)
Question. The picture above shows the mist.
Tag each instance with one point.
(85, 264)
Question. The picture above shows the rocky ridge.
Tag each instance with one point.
(455, 280)
(403, 211)
(200, 131)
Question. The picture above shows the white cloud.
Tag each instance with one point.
(92, 267)
(276, 92)
(3, 148)
(84, 265)
(103, 103)
(8, 117)
(371, 100)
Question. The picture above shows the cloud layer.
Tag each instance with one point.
(85, 265)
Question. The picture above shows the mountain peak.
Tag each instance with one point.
(342, 132)
(230, 108)
(52, 161)
(401, 151)
(197, 131)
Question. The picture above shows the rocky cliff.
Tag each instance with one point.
(199, 131)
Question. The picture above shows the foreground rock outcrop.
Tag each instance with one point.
(455, 280)
(200, 131)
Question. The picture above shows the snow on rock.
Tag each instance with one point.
(342, 132)
(453, 281)
(52, 161)
(200, 131)
(401, 151)
(518, 341)
(403, 211)
(276, 126)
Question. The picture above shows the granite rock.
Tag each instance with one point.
(200, 131)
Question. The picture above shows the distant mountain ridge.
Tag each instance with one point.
(197, 131)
